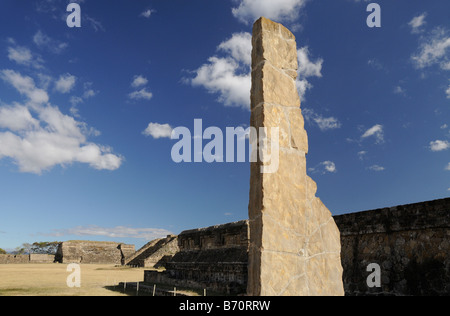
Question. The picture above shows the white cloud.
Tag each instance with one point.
(16, 118)
(306, 69)
(142, 94)
(65, 83)
(376, 168)
(147, 13)
(324, 167)
(362, 154)
(221, 76)
(39, 137)
(444, 126)
(375, 131)
(417, 22)
(448, 169)
(239, 46)
(324, 123)
(399, 90)
(447, 92)
(25, 85)
(158, 130)
(43, 41)
(139, 81)
(23, 56)
(439, 145)
(434, 49)
(281, 10)
(375, 64)
(230, 76)
(113, 232)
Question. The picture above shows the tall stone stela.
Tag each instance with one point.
(294, 241)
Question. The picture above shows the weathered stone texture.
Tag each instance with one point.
(31, 258)
(155, 253)
(410, 243)
(214, 258)
(99, 252)
(11, 259)
(294, 242)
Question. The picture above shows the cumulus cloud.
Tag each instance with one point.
(44, 42)
(376, 168)
(139, 81)
(417, 23)
(434, 49)
(324, 167)
(24, 85)
(65, 83)
(230, 76)
(281, 10)
(142, 94)
(375, 131)
(448, 169)
(324, 123)
(147, 13)
(156, 130)
(23, 56)
(38, 136)
(439, 145)
(306, 69)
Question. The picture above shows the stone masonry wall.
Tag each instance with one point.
(410, 243)
(155, 253)
(214, 258)
(98, 252)
(31, 258)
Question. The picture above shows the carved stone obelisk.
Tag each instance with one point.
(294, 241)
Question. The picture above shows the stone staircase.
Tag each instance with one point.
(153, 252)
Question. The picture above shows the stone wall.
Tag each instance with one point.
(11, 259)
(31, 258)
(410, 243)
(214, 258)
(154, 254)
(98, 252)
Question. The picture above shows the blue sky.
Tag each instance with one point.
(86, 113)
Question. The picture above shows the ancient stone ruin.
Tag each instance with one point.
(154, 254)
(410, 243)
(294, 241)
(98, 252)
(213, 258)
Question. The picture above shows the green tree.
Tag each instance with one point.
(44, 247)
(2, 252)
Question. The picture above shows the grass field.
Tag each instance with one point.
(50, 279)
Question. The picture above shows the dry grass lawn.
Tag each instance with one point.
(50, 279)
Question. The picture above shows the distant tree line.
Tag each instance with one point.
(43, 247)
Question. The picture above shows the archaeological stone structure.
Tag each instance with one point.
(294, 241)
(30, 258)
(213, 258)
(410, 243)
(154, 254)
(98, 252)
